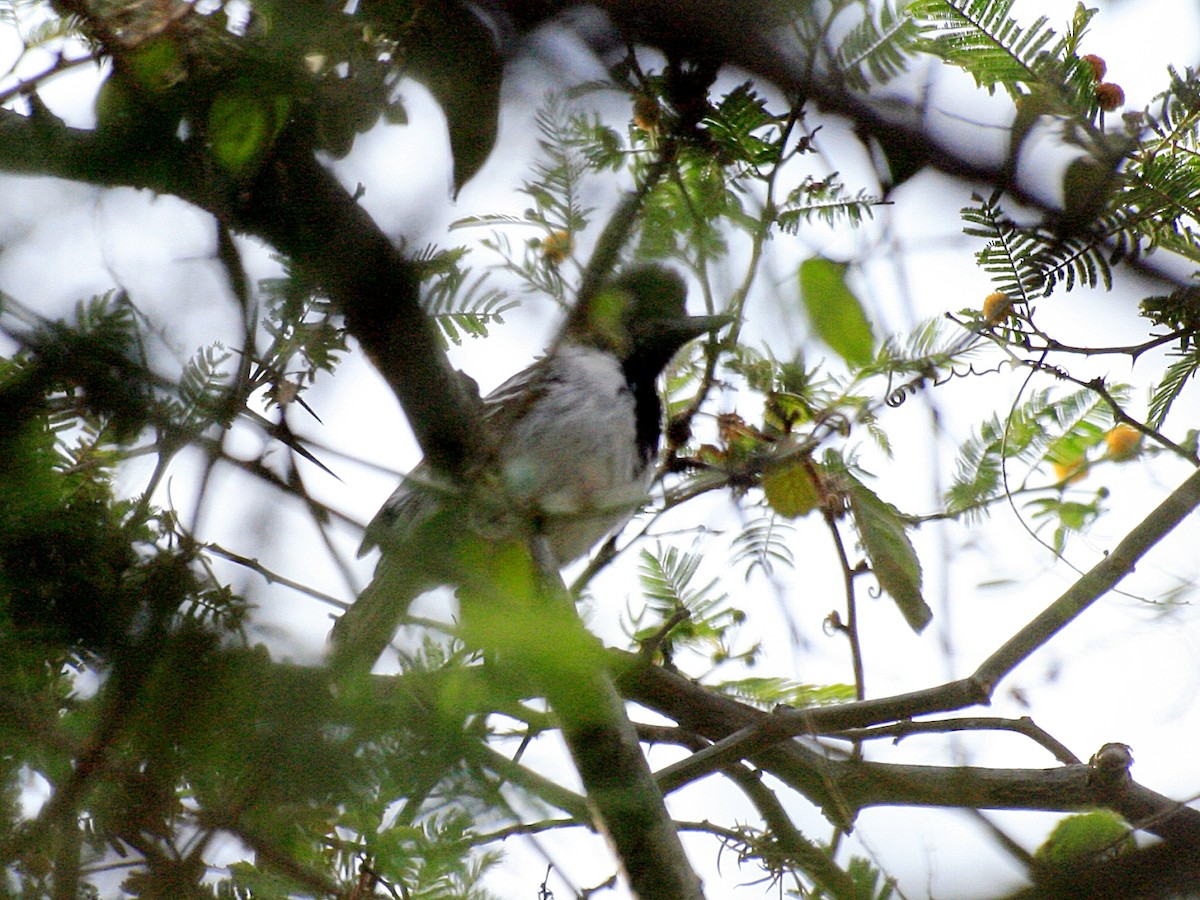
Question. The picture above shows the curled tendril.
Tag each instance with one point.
(931, 377)
(897, 395)
(1057, 371)
(967, 372)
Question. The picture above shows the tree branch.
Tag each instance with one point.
(608, 756)
(842, 788)
(297, 206)
(755, 734)
(1096, 582)
(1024, 725)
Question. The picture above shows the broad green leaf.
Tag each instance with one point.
(1098, 834)
(1087, 186)
(836, 314)
(890, 552)
(508, 610)
(790, 489)
(242, 127)
(116, 105)
(156, 65)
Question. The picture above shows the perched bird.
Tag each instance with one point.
(574, 439)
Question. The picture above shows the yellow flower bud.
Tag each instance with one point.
(1123, 442)
(646, 113)
(1070, 472)
(557, 246)
(996, 307)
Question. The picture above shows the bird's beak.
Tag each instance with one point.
(689, 327)
(677, 332)
(703, 324)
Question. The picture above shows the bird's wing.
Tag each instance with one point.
(407, 521)
(417, 495)
(512, 400)
(409, 504)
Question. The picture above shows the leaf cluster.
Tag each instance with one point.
(1057, 436)
(185, 730)
(572, 146)
(880, 46)
(981, 37)
(679, 614)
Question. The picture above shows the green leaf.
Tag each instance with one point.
(770, 692)
(507, 610)
(116, 105)
(981, 38)
(1089, 836)
(836, 314)
(156, 65)
(790, 489)
(1088, 186)
(242, 127)
(878, 50)
(893, 559)
(1174, 379)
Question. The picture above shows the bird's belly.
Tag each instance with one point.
(583, 477)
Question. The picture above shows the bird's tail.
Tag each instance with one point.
(364, 630)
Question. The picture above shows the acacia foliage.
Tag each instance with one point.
(191, 732)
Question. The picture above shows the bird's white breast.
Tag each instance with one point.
(575, 456)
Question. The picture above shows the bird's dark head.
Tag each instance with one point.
(641, 316)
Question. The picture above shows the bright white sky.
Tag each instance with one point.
(1126, 672)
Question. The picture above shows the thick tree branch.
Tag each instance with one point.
(1096, 582)
(608, 756)
(1159, 871)
(297, 206)
(842, 788)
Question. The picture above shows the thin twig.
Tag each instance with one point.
(27, 86)
(272, 577)
(1024, 725)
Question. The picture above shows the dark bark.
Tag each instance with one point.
(842, 787)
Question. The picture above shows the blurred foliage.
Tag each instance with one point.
(1086, 837)
(140, 727)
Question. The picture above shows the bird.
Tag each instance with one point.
(574, 437)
